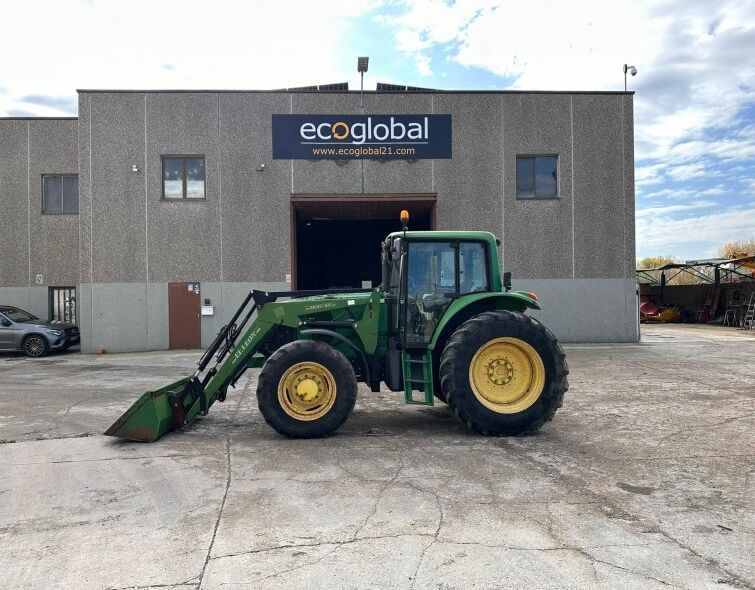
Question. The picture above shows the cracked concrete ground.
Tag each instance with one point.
(643, 480)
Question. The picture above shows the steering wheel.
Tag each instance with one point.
(418, 320)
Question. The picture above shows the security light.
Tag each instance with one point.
(631, 70)
(362, 63)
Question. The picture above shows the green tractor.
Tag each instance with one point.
(443, 324)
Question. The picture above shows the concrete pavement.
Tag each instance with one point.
(643, 480)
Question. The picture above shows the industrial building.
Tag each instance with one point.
(148, 217)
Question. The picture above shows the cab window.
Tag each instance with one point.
(473, 273)
(431, 276)
(436, 271)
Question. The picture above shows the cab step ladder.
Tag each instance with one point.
(410, 360)
(748, 321)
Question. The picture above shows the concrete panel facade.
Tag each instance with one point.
(226, 298)
(255, 208)
(14, 202)
(39, 250)
(118, 318)
(127, 243)
(538, 233)
(586, 310)
(469, 185)
(52, 238)
(600, 248)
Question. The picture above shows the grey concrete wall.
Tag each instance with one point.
(226, 299)
(123, 317)
(127, 317)
(538, 233)
(586, 310)
(54, 239)
(255, 234)
(14, 203)
(469, 185)
(32, 243)
(240, 235)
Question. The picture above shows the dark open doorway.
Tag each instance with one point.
(336, 238)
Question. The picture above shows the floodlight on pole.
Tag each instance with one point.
(632, 72)
(362, 65)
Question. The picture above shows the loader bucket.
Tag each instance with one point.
(149, 417)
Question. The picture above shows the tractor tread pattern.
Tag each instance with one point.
(454, 372)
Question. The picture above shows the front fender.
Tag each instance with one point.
(479, 302)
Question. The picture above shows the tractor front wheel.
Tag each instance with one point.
(503, 373)
(306, 389)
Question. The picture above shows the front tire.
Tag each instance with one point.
(306, 389)
(503, 373)
(35, 346)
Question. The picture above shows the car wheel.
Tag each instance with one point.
(35, 346)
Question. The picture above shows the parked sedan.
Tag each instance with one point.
(20, 330)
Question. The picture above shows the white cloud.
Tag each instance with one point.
(172, 44)
(685, 193)
(649, 174)
(688, 171)
(664, 233)
(423, 65)
(696, 60)
(666, 209)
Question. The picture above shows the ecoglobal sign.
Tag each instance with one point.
(338, 137)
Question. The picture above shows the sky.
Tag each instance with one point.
(695, 87)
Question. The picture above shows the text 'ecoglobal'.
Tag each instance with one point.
(374, 136)
(359, 133)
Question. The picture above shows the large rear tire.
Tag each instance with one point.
(503, 373)
(306, 389)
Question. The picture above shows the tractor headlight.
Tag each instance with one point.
(54, 332)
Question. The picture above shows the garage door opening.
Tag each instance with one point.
(336, 238)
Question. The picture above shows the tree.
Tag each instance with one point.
(737, 249)
(655, 261)
(673, 276)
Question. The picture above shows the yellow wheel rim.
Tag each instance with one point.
(507, 375)
(307, 391)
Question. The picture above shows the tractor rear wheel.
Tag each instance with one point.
(306, 389)
(503, 373)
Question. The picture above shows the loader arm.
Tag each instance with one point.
(174, 406)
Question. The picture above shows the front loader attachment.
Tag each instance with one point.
(234, 350)
(152, 415)
(174, 406)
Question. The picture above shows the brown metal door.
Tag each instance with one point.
(184, 308)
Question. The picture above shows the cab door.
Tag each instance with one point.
(436, 274)
(431, 283)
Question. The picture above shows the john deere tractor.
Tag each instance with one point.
(442, 324)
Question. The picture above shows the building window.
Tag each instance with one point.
(536, 177)
(60, 193)
(183, 177)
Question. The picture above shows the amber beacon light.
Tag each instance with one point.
(404, 217)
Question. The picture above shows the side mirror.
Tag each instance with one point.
(5, 322)
(507, 281)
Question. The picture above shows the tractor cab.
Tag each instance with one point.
(424, 272)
